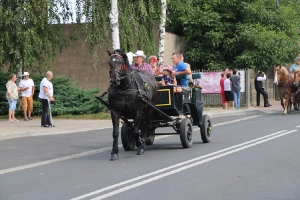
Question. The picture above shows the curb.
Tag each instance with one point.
(30, 134)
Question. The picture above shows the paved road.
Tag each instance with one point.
(250, 157)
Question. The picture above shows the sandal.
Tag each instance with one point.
(16, 120)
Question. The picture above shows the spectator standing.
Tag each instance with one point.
(227, 92)
(260, 90)
(139, 63)
(26, 87)
(12, 97)
(45, 97)
(235, 81)
(181, 68)
(224, 102)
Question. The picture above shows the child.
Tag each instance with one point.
(168, 77)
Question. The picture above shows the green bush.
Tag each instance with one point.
(69, 98)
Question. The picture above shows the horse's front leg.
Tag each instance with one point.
(140, 143)
(115, 120)
(286, 104)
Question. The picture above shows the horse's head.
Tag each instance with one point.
(118, 66)
(296, 78)
(280, 74)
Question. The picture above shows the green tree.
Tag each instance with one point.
(30, 31)
(244, 34)
(136, 21)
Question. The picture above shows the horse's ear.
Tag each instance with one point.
(108, 52)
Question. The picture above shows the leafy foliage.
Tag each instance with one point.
(237, 34)
(28, 36)
(136, 18)
(70, 99)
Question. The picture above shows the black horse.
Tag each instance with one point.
(128, 88)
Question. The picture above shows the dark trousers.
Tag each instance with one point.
(265, 95)
(45, 114)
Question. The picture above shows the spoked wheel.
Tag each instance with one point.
(186, 133)
(205, 129)
(150, 138)
(127, 138)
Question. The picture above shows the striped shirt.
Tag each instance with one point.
(144, 66)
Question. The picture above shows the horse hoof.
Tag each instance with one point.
(140, 151)
(114, 157)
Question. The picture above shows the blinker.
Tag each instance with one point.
(124, 67)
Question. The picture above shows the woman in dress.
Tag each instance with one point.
(224, 102)
(12, 97)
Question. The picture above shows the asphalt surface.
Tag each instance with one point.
(249, 157)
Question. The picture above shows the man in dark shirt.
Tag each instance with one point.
(260, 90)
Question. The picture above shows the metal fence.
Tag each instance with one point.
(215, 99)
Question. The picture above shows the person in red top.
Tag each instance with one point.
(224, 102)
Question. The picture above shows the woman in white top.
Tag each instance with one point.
(228, 93)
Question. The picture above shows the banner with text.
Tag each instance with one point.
(210, 82)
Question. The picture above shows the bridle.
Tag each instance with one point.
(125, 79)
(116, 61)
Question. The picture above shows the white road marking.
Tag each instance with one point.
(88, 153)
(298, 126)
(176, 165)
(188, 167)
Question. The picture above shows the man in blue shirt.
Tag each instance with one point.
(181, 68)
(295, 66)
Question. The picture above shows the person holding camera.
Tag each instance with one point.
(260, 90)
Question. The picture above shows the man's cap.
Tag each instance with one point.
(25, 74)
(298, 58)
(139, 53)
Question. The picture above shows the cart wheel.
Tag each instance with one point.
(205, 129)
(150, 138)
(186, 133)
(127, 138)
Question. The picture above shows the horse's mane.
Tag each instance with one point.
(284, 70)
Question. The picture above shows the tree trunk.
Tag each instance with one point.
(162, 32)
(114, 24)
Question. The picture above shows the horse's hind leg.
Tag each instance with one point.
(115, 150)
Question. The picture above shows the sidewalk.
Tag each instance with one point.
(33, 128)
